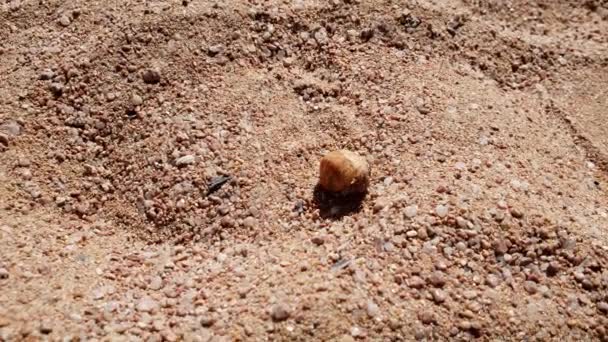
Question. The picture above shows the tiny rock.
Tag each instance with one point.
(441, 210)
(65, 21)
(439, 296)
(437, 279)
(280, 312)
(344, 172)
(427, 317)
(136, 100)
(411, 211)
(185, 160)
(318, 240)
(150, 76)
(372, 309)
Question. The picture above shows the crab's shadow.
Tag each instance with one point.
(336, 206)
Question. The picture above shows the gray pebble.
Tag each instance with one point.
(441, 210)
(410, 211)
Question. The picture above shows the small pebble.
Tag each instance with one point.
(98, 293)
(185, 160)
(437, 279)
(136, 100)
(215, 49)
(426, 317)
(492, 280)
(250, 222)
(156, 283)
(416, 282)
(318, 239)
(530, 287)
(356, 332)
(380, 204)
(344, 172)
(516, 213)
(411, 233)
(410, 211)
(280, 312)
(65, 21)
(372, 309)
(441, 210)
(439, 296)
(151, 76)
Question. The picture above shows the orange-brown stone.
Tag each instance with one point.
(345, 172)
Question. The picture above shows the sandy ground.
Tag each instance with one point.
(484, 123)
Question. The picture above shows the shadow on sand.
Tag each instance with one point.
(334, 206)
